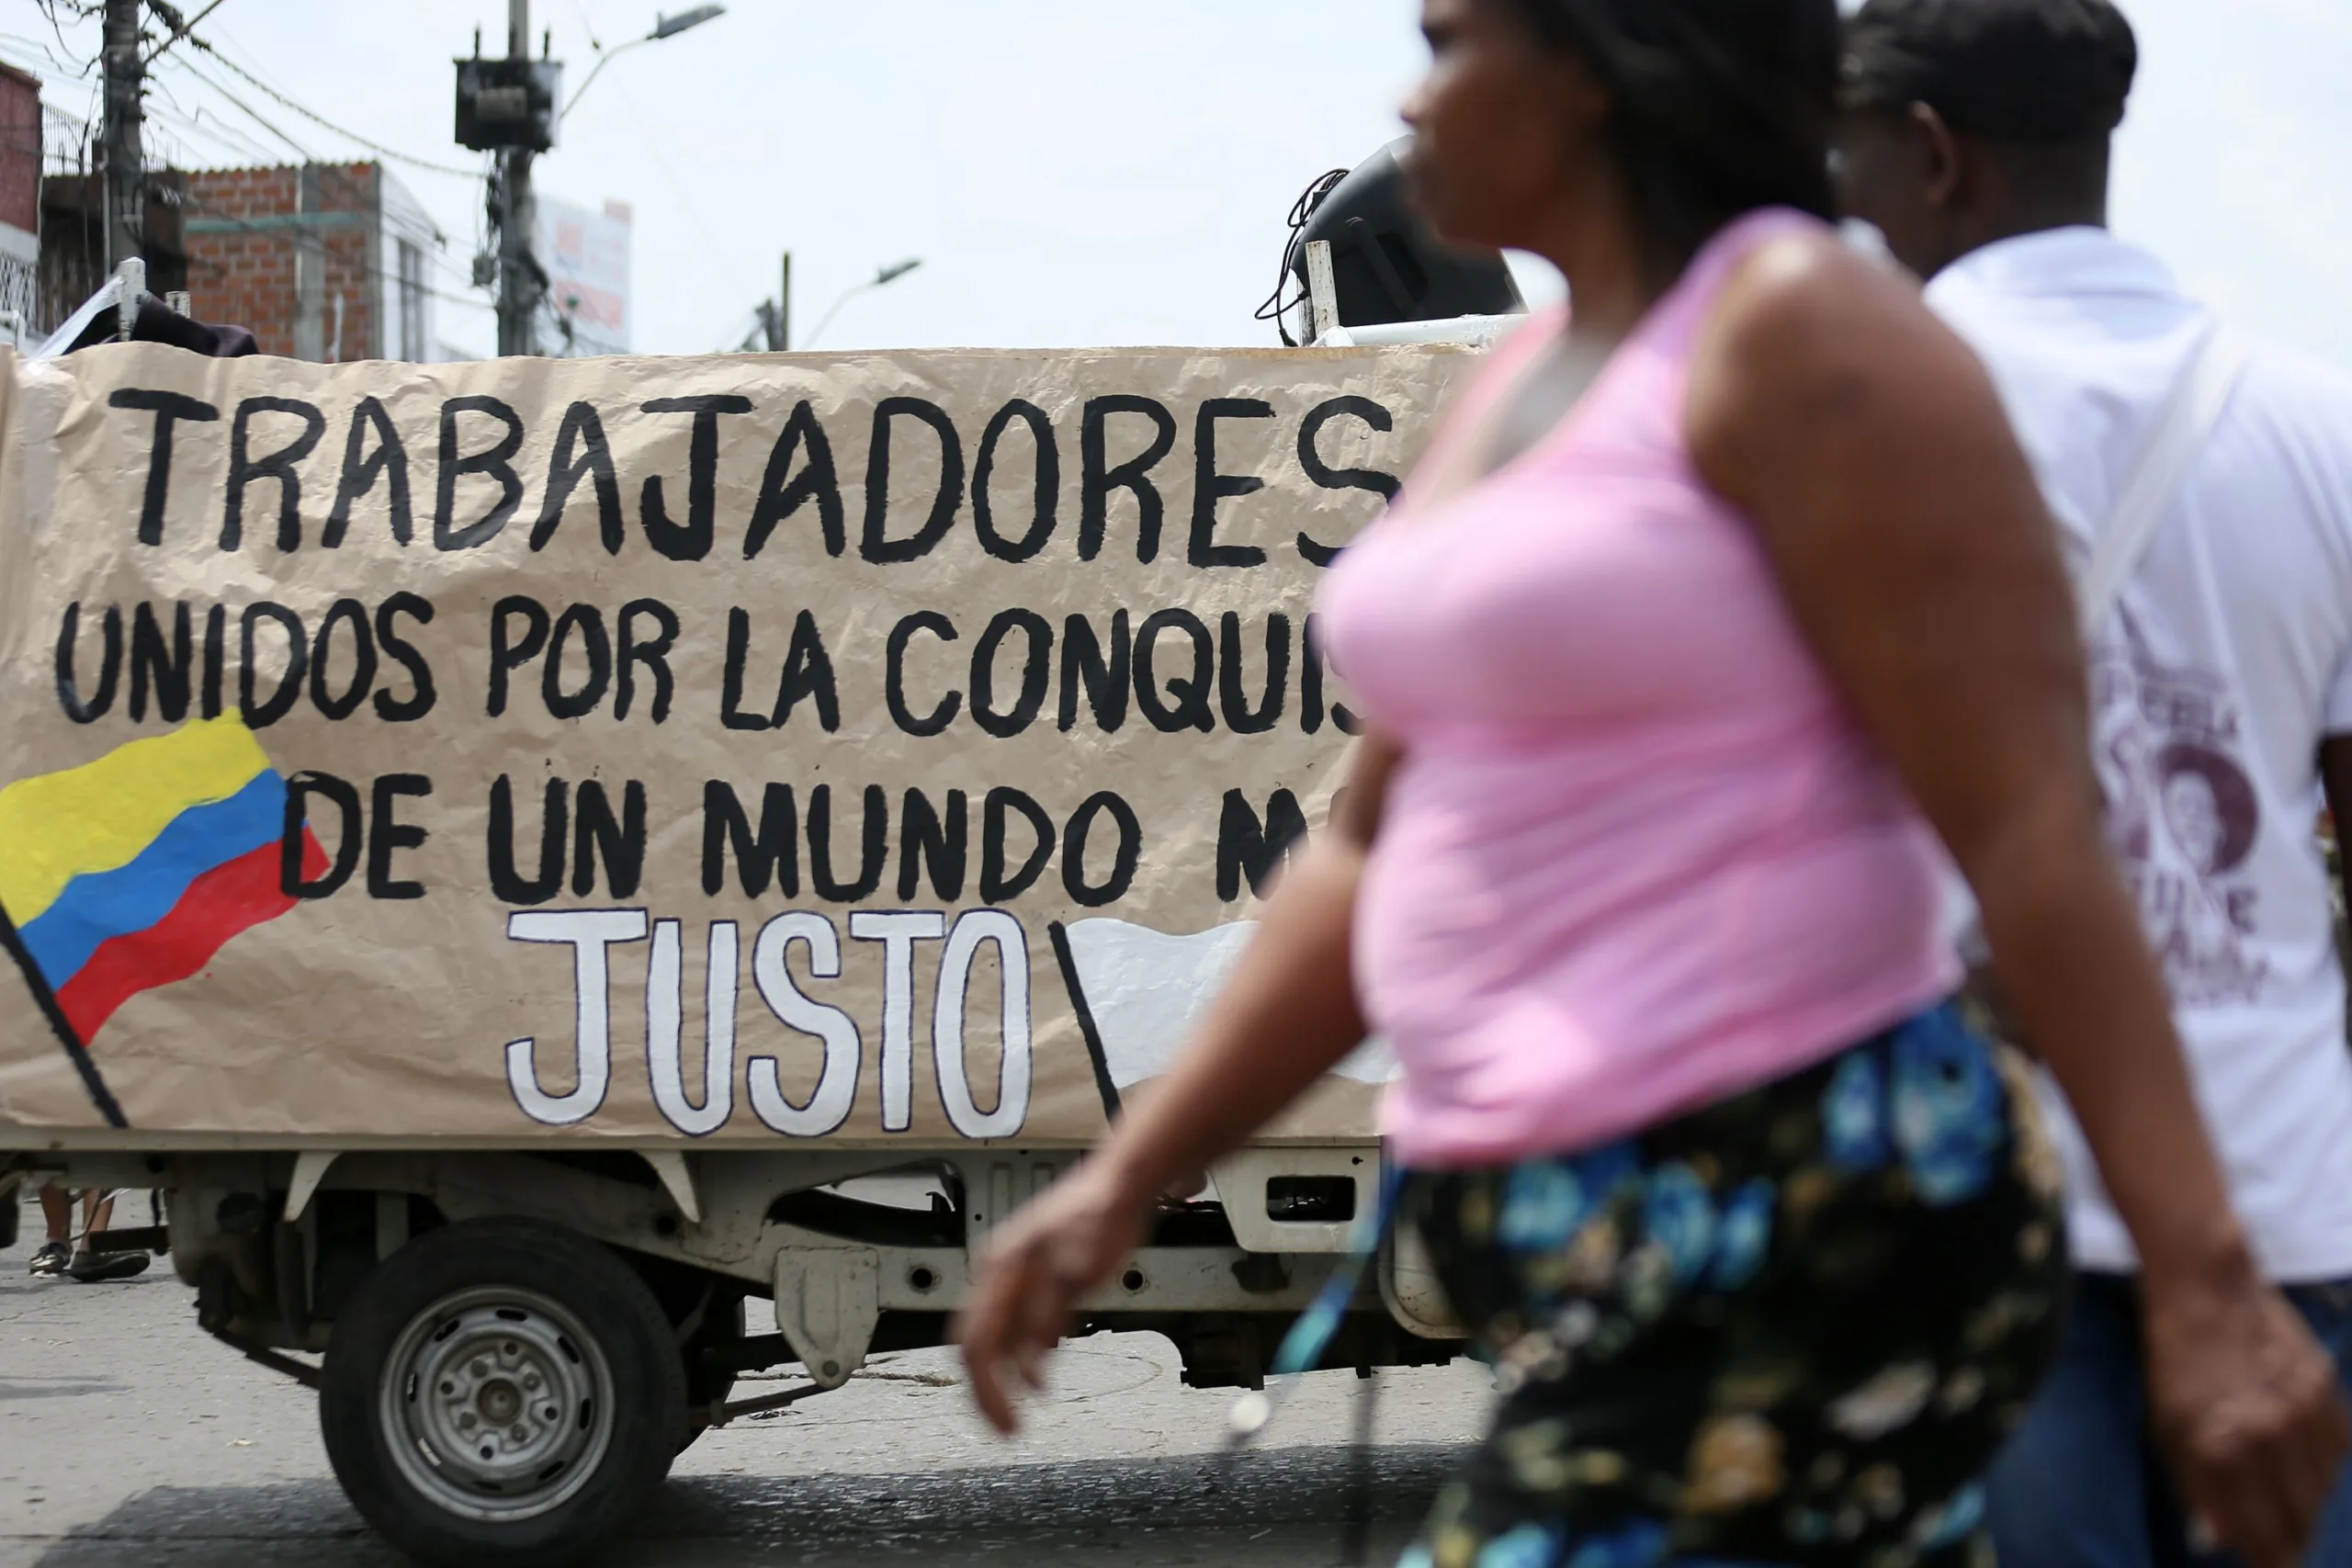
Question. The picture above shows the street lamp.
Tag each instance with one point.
(883, 279)
(663, 27)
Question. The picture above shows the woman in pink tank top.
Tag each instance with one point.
(1711, 611)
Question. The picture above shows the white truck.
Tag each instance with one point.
(537, 861)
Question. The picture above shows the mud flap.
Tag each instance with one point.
(827, 1302)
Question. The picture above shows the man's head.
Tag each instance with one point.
(1967, 121)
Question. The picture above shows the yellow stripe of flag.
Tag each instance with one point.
(98, 816)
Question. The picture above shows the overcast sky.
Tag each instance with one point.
(1081, 171)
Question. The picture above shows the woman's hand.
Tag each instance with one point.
(2247, 1408)
(1036, 1269)
(1287, 1016)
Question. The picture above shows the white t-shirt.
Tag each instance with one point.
(2227, 663)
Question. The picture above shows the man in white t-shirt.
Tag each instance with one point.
(1976, 139)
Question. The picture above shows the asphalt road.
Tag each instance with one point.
(127, 1437)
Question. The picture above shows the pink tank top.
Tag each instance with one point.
(1639, 857)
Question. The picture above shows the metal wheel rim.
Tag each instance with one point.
(498, 1352)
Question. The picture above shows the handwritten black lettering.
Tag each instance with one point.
(1325, 477)
(282, 465)
(170, 409)
(1000, 881)
(618, 843)
(1126, 857)
(215, 658)
(807, 675)
(877, 545)
(770, 854)
(422, 695)
(894, 676)
(874, 844)
(506, 885)
(585, 623)
(927, 837)
(366, 466)
(783, 494)
(1181, 701)
(1232, 690)
(652, 653)
(348, 613)
(388, 836)
(1210, 487)
(69, 692)
(1036, 672)
(350, 838)
(259, 714)
(1099, 479)
(1104, 675)
(1311, 710)
(506, 653)
(165, 668)
(692, 540)
(1047, 491)
(495, 462)
(1250, 846)
(581, 453)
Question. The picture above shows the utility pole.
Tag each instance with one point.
(774, 316)
(126, 195)
(519, 285)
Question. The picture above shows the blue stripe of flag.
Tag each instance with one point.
(98, 906)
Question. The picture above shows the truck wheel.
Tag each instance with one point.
(504, 1397)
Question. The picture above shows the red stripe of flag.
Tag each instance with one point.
(220, 904)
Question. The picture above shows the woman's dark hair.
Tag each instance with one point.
(1722, 106)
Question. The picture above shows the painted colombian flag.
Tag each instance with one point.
(131, 871)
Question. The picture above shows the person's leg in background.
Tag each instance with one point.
(57, 1213)
(2071, 1491)
(95, 1267)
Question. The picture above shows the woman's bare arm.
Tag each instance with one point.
(1286, 1018)
(1915, 552)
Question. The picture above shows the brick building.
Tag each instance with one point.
(53, 206)
(20, 164)
(326, 262)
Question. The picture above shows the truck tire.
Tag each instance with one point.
(505, 1396)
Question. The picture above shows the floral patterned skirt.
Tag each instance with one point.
(1791, 1328)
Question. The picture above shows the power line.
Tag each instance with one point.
(320, 120)
(177, 23)
(184, 28)
(81, 14)
(56, 61)
(49, 57)
(212, 126)
(706, 259)
(250, 112)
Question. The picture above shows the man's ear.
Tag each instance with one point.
(1939, 153)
